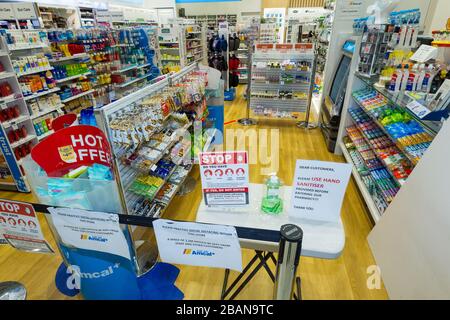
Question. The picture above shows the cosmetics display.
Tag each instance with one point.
(149, 140)
(281, 81)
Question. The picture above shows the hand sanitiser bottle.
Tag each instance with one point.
(272, 202)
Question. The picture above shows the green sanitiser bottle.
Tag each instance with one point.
(272, 202)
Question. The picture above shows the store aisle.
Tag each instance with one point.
(344, 278)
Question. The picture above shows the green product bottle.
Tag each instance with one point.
(272, 202)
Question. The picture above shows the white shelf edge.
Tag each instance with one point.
(21, 74)
(6, 74)
(75, 56)
(126, 84)
(136, 66)
(361, 186)
(44, 112)
(72, 77)
(33, 96)
(22, 141)
(19, 119)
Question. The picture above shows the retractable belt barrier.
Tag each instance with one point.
(290, 242)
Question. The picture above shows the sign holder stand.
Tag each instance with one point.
(247, 121)
(305, 124)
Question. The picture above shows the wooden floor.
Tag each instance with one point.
(343, 278)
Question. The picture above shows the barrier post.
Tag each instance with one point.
(291, 237)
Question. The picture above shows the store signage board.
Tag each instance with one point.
(117, 16)
(6, 11)
(97, 231)
(349, 9)
(224, 178)
(418, 109)
(198, 244)
(264, 47)
(71, 148)
(20, 227)
(25, 11)
(424, 53)
(304, 47)
(318, 190)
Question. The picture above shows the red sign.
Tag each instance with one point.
(70, 148)
(64, 121)
(284, 46)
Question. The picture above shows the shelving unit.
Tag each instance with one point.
(212, 21)
(195, 40)
(370, 115)
(133, 201)
(282, 78)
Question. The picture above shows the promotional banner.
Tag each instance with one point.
(20, 227)
(198, 244)
(90, 230)
(224, 177)
(71, 148)
(318, 189)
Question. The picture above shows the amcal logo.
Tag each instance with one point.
(198, 252)
(85, 236)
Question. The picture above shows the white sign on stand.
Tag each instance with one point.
(198, 244)
(318, 189)
(224, 178)
(424, 54)
(90, 230)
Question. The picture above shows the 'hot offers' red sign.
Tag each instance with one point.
(70, 148)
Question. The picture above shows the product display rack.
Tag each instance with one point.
(162, 140)
(282, 78)
(195, 40)
(402, 152)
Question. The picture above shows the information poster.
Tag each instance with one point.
(318, 189)
(224, 178)
(198, 244)
(20, 227)
(90, 230)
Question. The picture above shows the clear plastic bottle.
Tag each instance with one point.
(272, 202)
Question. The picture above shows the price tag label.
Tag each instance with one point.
(154, 167)
(418, 109)
(2, 105)
(14, 126)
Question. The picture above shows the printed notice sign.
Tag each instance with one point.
(318, 189)
(198, 244)
(90, 230)
(224, 178)
(20, 227)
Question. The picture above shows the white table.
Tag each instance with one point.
(320, 239)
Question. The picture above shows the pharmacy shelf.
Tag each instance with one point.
(28, 138)
(21, 74)
(394, 141)
(401, 99)
(77, 96)
(279, 86)
(22, 118)
(73, 77)
(126, 84)
(399, 182)
(45, 135)
(40, 94)
(46, 111)
(27, 47)
(361, 186)
(75, 56)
